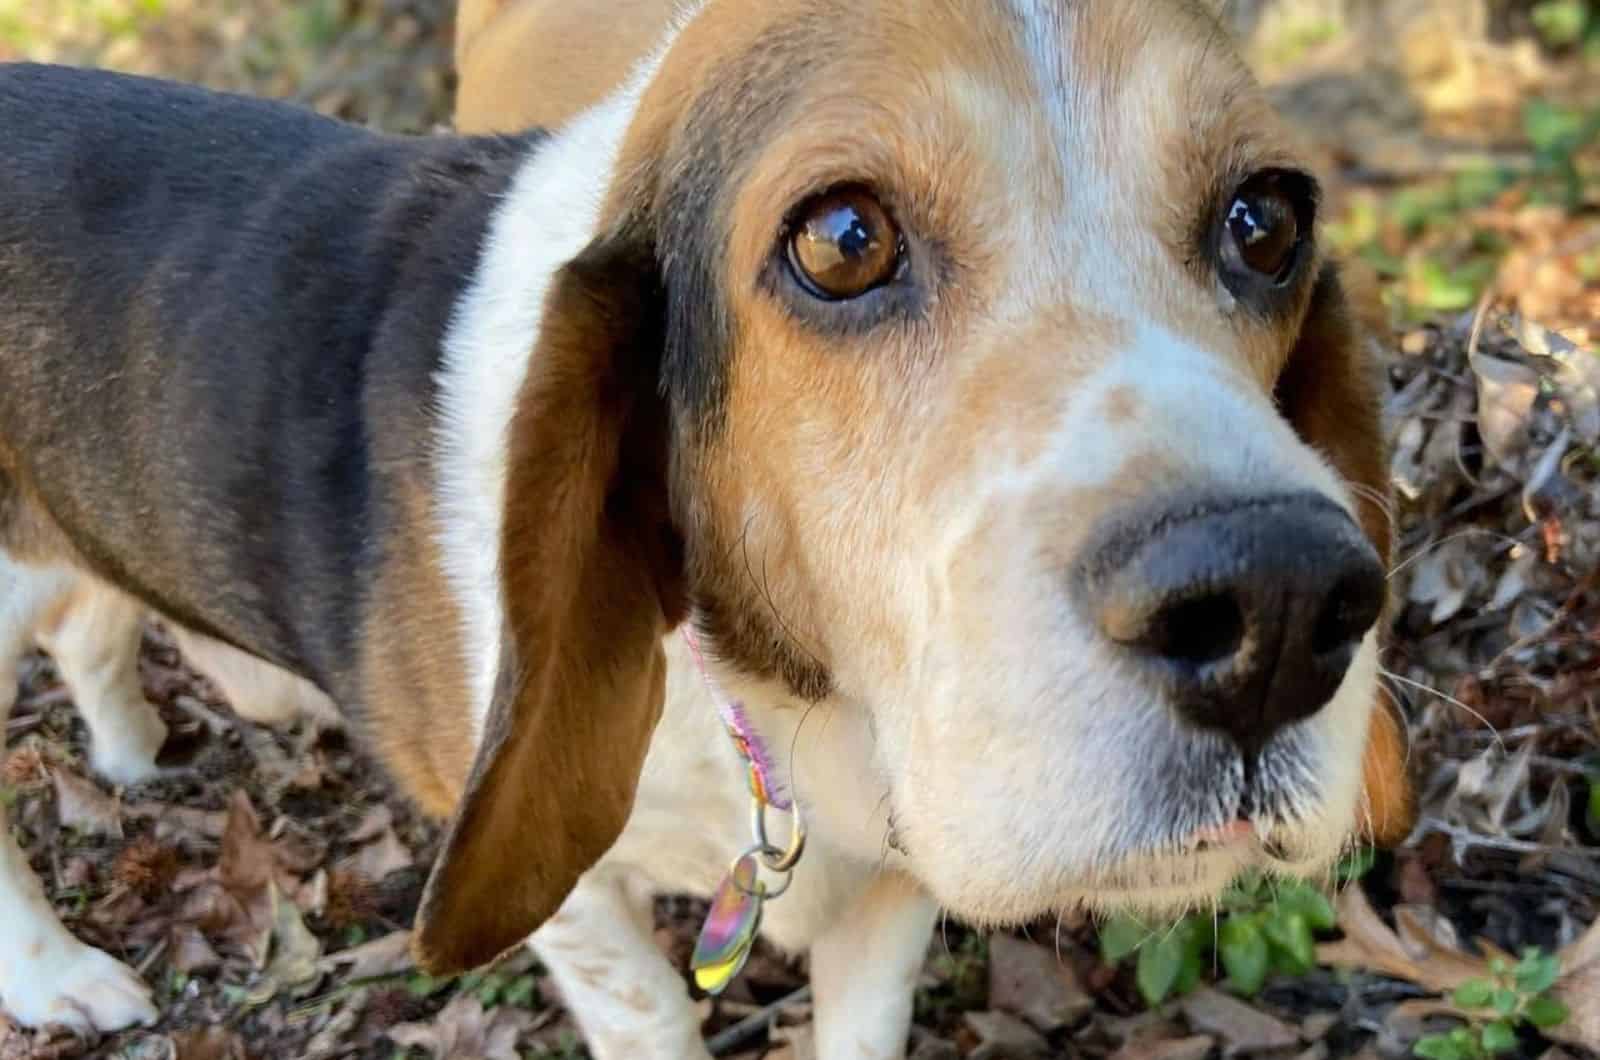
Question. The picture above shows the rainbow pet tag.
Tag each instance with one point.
(730, 928)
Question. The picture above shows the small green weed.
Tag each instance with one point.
(1514, 996)
(1562, 23)
(496, 988)
(1262, 926)
(963, 973)
(421, 984)
(1299, 37)
(1559, 135)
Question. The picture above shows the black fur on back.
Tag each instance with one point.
(220, 322)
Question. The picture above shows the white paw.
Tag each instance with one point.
(124, 750)
(79, 987)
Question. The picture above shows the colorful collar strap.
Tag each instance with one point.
(731, 925)
(764, 785)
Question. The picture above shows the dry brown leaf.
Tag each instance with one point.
(1507, 391)
(1579, 989)
(294, 951)
(250, 861)
(1369, 944)
(312, 896)
(233, 902)
(85, 808)
(1002, 1036)
(334, 1040)
(381, 956)
(1241, 1028)
(180, 823)
(1031, 981)
(928, 1047)
(1447, 577)
(463, 1030)
(25, 769)
(377, 820)
(1195, 1047)
(247, 862)
(189, 952)
(1575, 371)
(211, 1043)
(381, 857)
(1318, 1026)
(298, 849)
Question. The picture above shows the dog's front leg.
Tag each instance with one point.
(94, 641)
(864, 971)
(626, 996)
(46, 975)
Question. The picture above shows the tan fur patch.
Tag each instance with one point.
(527, 63)
(413, 662)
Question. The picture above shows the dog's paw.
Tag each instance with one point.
(124, 747)
(79, 987)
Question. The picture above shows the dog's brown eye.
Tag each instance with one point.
(1262, 230)
(843, 244)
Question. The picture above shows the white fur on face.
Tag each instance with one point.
(1027, 766)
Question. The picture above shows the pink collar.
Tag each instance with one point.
(763, 776)
(730, 928)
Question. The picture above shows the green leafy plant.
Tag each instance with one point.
(962, 971)
(497, 988)
(1261, 927)
(1514, 995)
(421, 984)
(1561, 23)
(1558, 135)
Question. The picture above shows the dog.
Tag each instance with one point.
(951, 402)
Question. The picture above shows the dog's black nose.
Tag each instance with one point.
(1246, 611)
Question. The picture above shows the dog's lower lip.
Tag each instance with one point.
(1235, 831)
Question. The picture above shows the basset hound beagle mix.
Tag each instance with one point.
(949, 399)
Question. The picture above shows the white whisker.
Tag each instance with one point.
(1433, 546)
(1453, 701)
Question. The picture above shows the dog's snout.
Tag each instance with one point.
(1246, 612)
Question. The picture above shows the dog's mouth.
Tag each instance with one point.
(1219, 837)
(1208, 858)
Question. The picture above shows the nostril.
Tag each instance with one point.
(1198, 631)
(1350, 610)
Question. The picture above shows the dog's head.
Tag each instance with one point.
(974, 370)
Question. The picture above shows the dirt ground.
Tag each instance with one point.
(266, 891)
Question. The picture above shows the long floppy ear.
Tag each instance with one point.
(1332, 391)
(591, 580)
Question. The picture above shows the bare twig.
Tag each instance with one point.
(730, 1039)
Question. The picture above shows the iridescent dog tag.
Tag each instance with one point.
(730, 928)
